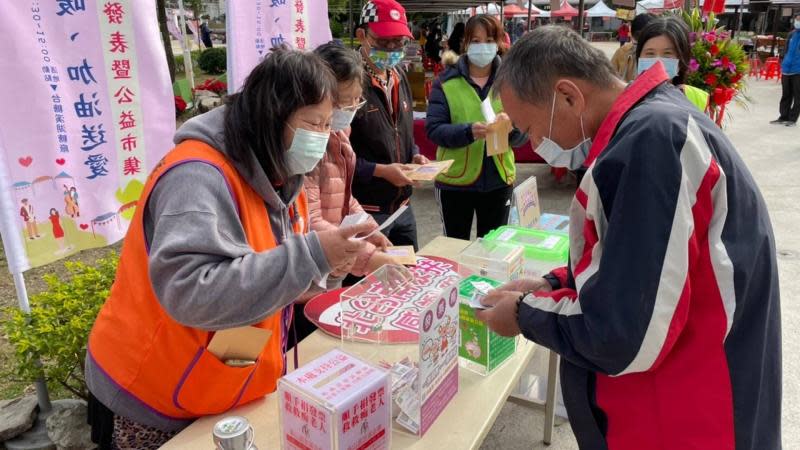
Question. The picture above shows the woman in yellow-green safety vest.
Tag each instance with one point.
(476, 184)
(667, 39)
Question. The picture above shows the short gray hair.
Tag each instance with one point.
(546, 54)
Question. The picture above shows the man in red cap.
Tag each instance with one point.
(383, 130)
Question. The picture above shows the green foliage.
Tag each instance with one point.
(337, 28)
(213, 61)
(57, 329)
(179, 60)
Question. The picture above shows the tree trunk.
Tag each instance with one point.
(162, 25)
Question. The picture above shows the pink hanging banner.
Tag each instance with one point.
(256, 26)
(88, 111)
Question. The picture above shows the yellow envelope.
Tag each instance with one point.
(497, 137)
(242, 343)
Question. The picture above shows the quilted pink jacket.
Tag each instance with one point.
(330, 198)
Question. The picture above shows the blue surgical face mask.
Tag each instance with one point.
(797, 24)
(342, 119)
(670, 64)
(386, 59)
(307, 148)
(482, 54)
(557, 156)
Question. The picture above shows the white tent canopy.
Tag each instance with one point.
(601, 10)
(535, 12)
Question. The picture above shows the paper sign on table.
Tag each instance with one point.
(497, 137)
(242, 343)
(403, 254)
(427, 172)
(526, 199)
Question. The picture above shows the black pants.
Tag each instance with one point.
(402, 231)
(458, 207)
(790, 100)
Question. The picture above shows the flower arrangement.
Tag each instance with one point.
(215, 86)
(718, 65)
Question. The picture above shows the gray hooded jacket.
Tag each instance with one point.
(204, 273)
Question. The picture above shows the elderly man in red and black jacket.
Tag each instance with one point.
(383, 130)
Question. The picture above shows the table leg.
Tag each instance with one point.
(550, 402)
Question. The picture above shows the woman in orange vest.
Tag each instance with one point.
(220, 240)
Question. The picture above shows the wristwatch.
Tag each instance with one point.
(520, 299)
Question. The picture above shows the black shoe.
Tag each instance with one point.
(779, 122)
(790, 124)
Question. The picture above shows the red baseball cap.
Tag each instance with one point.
(386, 18)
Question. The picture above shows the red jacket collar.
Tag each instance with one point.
(634, 93)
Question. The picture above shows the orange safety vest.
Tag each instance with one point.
(165, 364)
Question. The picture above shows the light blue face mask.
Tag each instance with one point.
(307, 148)
(556, 155)
(482, 54)
(342, 118)
(670, 64)
(386, 59)
(797, 24)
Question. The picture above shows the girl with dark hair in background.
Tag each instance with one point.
(476, 184)
(221, 241)
(666, 39)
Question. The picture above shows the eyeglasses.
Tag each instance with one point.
(387, 44)
(355, 106)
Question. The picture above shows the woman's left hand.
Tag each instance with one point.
(420, 159)
(502, 116)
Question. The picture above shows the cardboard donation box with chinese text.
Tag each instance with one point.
(543, 251)
(481, 350)
(336, 402)
(407, 322)
(497, 260)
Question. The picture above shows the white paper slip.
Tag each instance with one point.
(354, 219)
(408, 423)
(482, 287)
(385, 223)
(475, 301)
(488, 110)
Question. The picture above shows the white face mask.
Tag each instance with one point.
(342, 119)
(307, 148)
(482, 54)
(557, 156)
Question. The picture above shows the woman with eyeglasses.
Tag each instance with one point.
(328, 186)
(220, 241)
